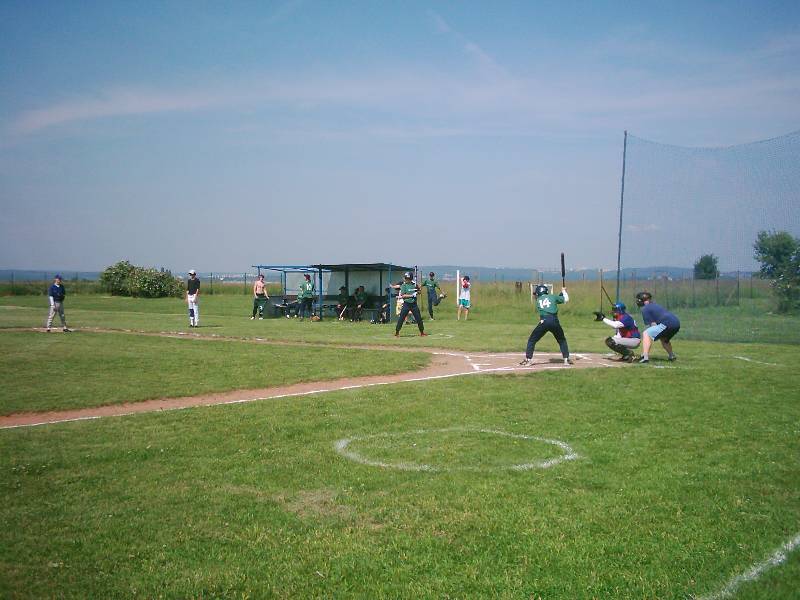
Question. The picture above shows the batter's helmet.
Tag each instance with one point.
(408, 275)
(619, 307)
(540, 290)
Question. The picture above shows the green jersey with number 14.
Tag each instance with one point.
(548, 304)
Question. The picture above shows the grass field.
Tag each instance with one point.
(686, 474)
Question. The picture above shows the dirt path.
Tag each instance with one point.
(444, 363)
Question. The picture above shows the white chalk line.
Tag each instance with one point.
(289, 395)
(341, 447)
(776, 559)
(541, 367)
(746, 359)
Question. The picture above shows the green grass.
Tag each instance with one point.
(82, 369)
(501, 320)
(686, 477)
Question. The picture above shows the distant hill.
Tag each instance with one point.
(46, 275)
(445, 272)
(448, 272)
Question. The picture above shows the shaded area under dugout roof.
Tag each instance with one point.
(375, 277)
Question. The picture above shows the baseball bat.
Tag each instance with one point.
(610, 301)
(563, 272)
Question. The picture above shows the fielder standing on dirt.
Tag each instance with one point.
(56, 294)
(547, 305)
(408, 293)
(192, 294)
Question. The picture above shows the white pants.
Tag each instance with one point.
(56, 307)
(194, 313)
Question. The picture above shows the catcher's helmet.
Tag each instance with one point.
(643, 297)
(408, 275)
(619, 307)
(540, 290)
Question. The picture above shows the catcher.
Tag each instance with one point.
(626, 336)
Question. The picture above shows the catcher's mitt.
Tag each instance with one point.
(598, 316)
(315, 318)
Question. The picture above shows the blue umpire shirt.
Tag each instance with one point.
(655, 313)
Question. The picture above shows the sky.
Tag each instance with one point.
(215, 136)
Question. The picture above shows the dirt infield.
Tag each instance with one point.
(444, 363)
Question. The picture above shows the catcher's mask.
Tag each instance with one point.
(643, 297)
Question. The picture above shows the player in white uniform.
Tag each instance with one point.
(463, 298)
(192, 293)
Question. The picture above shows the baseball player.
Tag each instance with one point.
(260, 297)
(408, 293)
(626, 336)
(360, 300)
(435, 293)
(661, 325)
(547, 305)
(305, 296)
(56, 294)
(192, 295)
(464, 298)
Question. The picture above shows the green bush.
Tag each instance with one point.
(125, 279)
(115, 278)
(779, 255)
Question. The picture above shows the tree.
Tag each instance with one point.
(779, 255)
(125, 279)
(706, 267)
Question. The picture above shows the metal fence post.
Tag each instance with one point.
(737, 288)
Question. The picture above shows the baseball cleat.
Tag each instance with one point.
(567, 362)
(672, 358)
(66, 330)
(644, 360)
(629, 358)
(526, 362)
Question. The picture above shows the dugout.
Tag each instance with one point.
(328, 278)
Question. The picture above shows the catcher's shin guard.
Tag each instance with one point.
(619, 349)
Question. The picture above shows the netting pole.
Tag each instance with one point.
(737, 289)
(716, 282)
(621, 202)
(601, 290)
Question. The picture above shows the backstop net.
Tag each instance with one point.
(683, 203)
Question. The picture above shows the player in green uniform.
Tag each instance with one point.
(547, 305)
(435, 293)
(360, 300)
(408, 292)
(343, 304)
(305, 296)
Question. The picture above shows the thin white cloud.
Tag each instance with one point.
(565, 96)
(482, 58)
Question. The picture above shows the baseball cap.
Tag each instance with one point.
(192, 272)
(58, 276)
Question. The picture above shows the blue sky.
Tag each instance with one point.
(217, 135)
